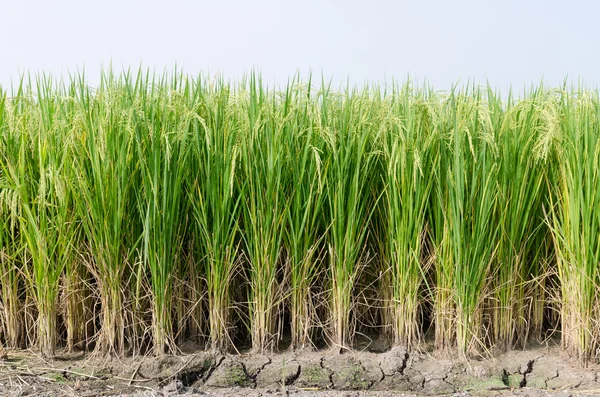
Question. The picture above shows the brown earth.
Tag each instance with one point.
(534, 372)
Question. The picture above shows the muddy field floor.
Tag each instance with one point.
(541, 371)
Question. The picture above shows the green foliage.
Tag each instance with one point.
(160, 208)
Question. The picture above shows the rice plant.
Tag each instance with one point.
(262, 179)
(409, 179)
(576, 221)
(520, 131)
(350, 132)
(105, 168)
(305, 230)
(10, 243)
(215, 204)
(163, 149)
(467, 199)
(39, 174)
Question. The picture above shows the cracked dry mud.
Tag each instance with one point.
(536, 372)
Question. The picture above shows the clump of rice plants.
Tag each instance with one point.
(39, 172)
(105, 170)
(305, 230)
(215, 204)
(350, 202)
(466, 200)
(409, 162)
(10, 242)
(576, 221)
(262, 180)
(520, 131)
(163, 147)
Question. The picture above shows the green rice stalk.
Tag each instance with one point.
(576, 222)
(9, 277)
(469, 174)
(521, 178)
(215, 204)
(163, 152)
(10, 243)
(349, 201)
(409, 180)
(47, 224)
(105, 168)
(262, 180)
(304, 230)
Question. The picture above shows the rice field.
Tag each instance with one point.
(158, 209)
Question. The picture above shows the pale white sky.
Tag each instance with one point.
(442, 41)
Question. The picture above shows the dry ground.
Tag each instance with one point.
(535, 372)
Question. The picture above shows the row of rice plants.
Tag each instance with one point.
(156, 209)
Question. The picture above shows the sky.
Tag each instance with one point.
(504, 42)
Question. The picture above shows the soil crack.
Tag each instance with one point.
(291, 379)
(370, 382)
(322, 364)
(505, 377)
(549, 379)
(248, 376)
(212, 368)
(445, 379)
(529, 369)
(259, 369)
(404, 363)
